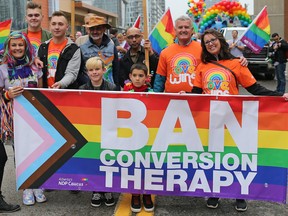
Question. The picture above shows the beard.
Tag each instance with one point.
(97, 37)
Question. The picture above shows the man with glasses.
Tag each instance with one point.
(136, 54)
(99, 44)
(279, 47)
(35, 33)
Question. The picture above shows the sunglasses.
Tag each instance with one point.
(35, 15)
(210, 41)
(136, 36)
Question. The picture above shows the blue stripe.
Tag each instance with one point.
(256, 39)
(59, 140)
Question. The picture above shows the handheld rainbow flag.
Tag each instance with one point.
(137, 22)
(5, 27)
(258, 32)
(163, 33)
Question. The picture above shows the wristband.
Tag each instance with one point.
(6, 95)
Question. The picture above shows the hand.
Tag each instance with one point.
(243, 61)
(15, 91)
(182, 92)
(38, 62)
(285, 96)
(147, 45)
(56, 85)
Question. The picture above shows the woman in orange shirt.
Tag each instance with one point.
(219, 74)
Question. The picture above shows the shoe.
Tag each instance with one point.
(7, 208)
(241, 205)
(136, 203)
(96, 199)
(109, 199)
(212, 202)
(39, 195)
(28, 197)
(147, 202)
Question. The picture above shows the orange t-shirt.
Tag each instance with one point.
(178, 63)
(216, 80)
(35, 39)
(54, 51)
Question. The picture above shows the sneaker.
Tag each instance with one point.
(109, 199)
(212, 202)
(39, 195)
(28, 197)
(241, 205)
(147, 202)
(7, 208)
(96, 199)
(136, 203)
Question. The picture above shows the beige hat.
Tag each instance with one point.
(97, 21)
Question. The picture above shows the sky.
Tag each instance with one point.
(179, 7)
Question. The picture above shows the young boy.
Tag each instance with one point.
(138, 76)
(95, 70)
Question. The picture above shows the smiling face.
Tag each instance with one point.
(34, 18)
(184, 31)
(212, 44)
(58, 26)
(95, 70)
(137, 77)
(17, 48)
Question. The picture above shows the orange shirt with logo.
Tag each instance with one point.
(54, 51)
(178, 64)
(216, 80)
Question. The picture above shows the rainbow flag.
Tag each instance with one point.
(163, 33)
(139, 143)
(5, 27)
(258, 32)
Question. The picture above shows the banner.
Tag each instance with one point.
(167, 144)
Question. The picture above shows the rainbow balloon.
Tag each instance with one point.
(226, 9)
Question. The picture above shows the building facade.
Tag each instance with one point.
(155, 10)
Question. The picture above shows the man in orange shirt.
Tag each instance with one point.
(177, 63)
(35, 33)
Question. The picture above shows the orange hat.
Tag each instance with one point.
(97, 21)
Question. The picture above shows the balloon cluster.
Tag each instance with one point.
(228, 9)
(196, 9)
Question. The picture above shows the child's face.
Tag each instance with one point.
(137, 77)
(95, 74)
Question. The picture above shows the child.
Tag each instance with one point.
(138, 76)
(95, 70)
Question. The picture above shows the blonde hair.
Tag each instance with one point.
(93, 62)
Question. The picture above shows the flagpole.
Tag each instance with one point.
(144, 5)
(251, 23)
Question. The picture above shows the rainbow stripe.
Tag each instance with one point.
(163, 33)
(5, 27)
(258, 32)
(270, 182)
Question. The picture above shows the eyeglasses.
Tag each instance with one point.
(136, 36)
(210, 41)
(35, 15)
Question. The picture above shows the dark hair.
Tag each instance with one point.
(275, 35)
(139, 66)
(224, 50)
(59, 13)
(33, 5)
(113, 31)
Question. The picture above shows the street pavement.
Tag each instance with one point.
(64, 203)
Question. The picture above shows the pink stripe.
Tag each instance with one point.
(47, 139)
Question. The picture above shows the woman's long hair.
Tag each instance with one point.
(224, 50)
(28, 57)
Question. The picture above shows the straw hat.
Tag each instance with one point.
(97, 21)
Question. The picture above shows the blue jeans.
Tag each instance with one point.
(281, 79)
